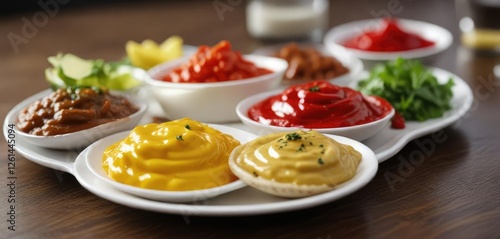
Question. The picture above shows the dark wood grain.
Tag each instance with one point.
(452, 192)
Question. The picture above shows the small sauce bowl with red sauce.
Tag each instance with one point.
(387, 39)
(317, 105)
(207, 86)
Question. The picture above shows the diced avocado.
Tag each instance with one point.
(75, 67)
(91, 80)
(122, 82)
(67, 81)
(55, 60)
(71, 71)
(53, 79)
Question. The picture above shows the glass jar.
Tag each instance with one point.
(479, 23)
(287, 19)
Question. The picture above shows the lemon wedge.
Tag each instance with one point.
(149, 53)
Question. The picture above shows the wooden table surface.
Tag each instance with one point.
(453, 193)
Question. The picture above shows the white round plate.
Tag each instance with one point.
(336, 36)
(245, 201)
(93, 159)
(349, 60)
(79, 139)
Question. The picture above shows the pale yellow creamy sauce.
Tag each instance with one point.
(301, 157)
(178, 155)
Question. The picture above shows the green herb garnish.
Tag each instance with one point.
(320, 161)
(314, 89)
(293, 136)
(179, 137)
(187, 127)
(412, 89)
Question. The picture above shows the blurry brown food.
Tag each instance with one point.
(309, 64)
(65, 111)
(159, 119)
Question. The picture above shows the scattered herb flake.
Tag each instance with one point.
(179, 137)
(314, 89)
(320, 161)
(321, 146)
(187, 127)
(293, 136)
(255, 174)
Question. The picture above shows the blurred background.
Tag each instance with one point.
(24, 6)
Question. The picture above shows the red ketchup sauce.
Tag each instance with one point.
(319, 104)
(389, 38)
(215, 64)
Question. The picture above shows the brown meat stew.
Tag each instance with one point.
(307, 63)
(70, 110)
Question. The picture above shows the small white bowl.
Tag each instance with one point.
(211, 102)
(336, 36)
(93, 160)
(357, 132)
(348, 60)
(82, 138)
(366, 168)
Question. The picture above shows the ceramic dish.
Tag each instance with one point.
(349, 60)
(292, 190)
(94, 162)
(388, 141)
(336, 36)
(385, 144)
(79, 139)
(244, 201)
(211, 102)
(357, 132)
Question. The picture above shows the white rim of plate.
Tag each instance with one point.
(441, 36)
(366, 172)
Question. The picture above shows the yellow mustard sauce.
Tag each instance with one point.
(178, 155)
(300, 157)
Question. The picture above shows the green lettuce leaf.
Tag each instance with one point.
(412, 89)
